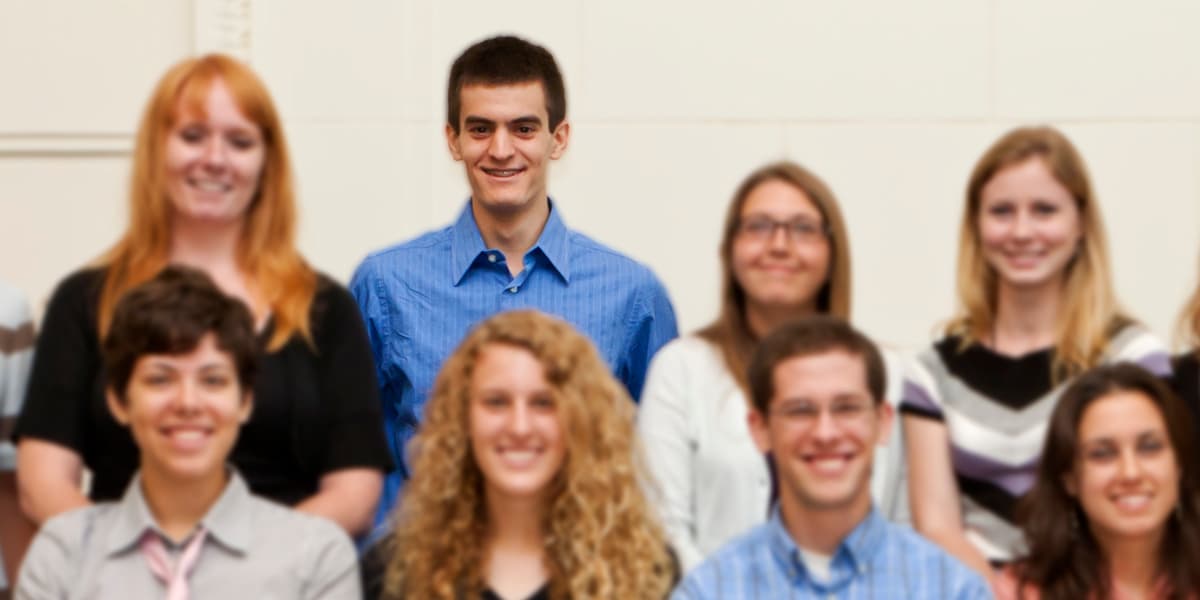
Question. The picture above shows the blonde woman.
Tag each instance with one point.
(785, 253)
(526, 481)
(1036, 308)
(211, 188)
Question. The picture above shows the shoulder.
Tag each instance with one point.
(741, 556)
(691, 351)
(586, 251)
(330, 294)
(14, 307)
(320, 536)
(1135, 343)
(82, 284)
(925, 554)
(69, 532)
(400, 253)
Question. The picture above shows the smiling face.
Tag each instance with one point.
(780, 267)
(214, 160)
(515, 426)
(1029, 225)
(822, 428)
(184, 412)
(505, 142)
(1126, 476)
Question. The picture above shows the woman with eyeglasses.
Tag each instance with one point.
(1115, 507)
(1036, 309)
(784, 254)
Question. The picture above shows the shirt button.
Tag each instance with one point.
(512, 290)
(492, 258)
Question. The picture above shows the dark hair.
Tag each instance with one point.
(730, 331)
(1065, 560)
(169, 314)
(806, 336)
(505, 60)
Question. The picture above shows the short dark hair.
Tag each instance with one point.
(169, 314)
(504, 60)
(807, 336)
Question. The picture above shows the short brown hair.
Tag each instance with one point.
(806, 336)
(169, 314)
(506, 60)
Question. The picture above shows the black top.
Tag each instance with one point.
(373, 565)
(315, 411)
(1186, 382)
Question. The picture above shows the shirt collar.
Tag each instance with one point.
(466, 243)
(858, 547)
(228, 520)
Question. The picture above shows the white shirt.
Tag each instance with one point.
(712, 482)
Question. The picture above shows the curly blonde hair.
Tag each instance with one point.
(601, 538)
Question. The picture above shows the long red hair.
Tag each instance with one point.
(266, 253)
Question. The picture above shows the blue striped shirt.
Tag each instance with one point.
(419, 298)
(878, 560)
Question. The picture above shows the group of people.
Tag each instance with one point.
(502, 408)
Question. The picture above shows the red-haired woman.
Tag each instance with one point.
(212, 188)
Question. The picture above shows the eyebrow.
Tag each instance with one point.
(523, 120)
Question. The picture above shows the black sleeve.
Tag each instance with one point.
(350, 405)
(374, 564)
(1185, 380)
(66, 365)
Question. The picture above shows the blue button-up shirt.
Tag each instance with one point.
(878, 560)
(419, 299)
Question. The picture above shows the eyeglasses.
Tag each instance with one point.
(804, 414)
(761, 229)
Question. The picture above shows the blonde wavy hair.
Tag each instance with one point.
(1089, 314)
(730, 331)
(267, 252)
(601, 538)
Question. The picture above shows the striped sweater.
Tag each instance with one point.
(996, 409)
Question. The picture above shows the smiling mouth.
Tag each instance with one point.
(519, 458)
(187, 438)
(828, 464)
(503, 173)
(209, 185)
(1132, 503)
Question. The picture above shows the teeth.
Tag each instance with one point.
(210, 186)
(1133, 501)
(502, 172)
(187, 435)
(519, 456)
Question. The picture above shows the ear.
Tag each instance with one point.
(759, 430)
(1069, 483)
(246, 408)
(885, 414)
(561, 135)
(118, 410)
(452, 142)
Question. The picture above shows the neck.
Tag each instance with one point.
(1026, 318)
(178, 505)
(822, 530)
(207, 246)
(513, 233)
(1133, 565)
(514, 524)
(763, 318)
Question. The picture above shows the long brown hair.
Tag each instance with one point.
(267, 252)
(730, 331)
(601, 537)
(1089, 314)
(1065, 561)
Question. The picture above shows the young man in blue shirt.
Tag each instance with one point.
(817, 392)
(509, 248)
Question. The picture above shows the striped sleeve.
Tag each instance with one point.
(919, 395)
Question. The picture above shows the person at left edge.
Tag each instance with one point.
(508, 249)
(180, 358)
(212, 189)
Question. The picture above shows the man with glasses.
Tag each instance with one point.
(816, 389)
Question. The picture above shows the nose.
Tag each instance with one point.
(780, 240)
(187, 398)
(521, 420)
(215, 154)
(501, 145)
(825, 428)
(1023, 224)
(1130, 468)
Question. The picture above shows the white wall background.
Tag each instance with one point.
(672, 102)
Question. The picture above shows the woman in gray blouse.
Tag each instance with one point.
(180, 359)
